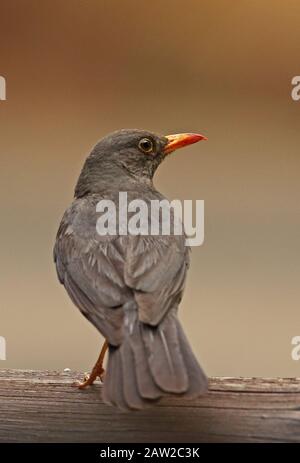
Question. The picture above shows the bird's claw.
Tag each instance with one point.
(88, 380)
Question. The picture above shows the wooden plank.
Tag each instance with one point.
(42, 406)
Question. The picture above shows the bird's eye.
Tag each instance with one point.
(146, 145)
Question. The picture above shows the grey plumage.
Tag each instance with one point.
(129, 287)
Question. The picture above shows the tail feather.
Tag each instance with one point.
(197, 379)
(132, 395)
(113, 393)
(165, 358)
(145, 382)
(118, 394)
(150, 363)
(107, 391)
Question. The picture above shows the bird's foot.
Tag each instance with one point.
(97, 372)
(88, 380)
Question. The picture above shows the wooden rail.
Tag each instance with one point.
(42, 406)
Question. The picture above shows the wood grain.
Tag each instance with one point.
(42, 406)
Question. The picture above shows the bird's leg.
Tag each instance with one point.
(97, 371)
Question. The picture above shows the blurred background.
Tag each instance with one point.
(76, 70)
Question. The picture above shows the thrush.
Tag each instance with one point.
(129, 286)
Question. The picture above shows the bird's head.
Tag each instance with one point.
(136, 153)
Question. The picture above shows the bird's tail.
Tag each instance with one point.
(150, 363)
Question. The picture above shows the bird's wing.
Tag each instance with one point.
(105, 274)
(155, 269)
(91, 269)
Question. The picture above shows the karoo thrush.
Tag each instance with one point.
(129, 286)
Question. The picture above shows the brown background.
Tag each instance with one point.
(76, 70)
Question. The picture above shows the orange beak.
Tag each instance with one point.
(180, 140)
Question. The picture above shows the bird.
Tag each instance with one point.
(129, 286)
